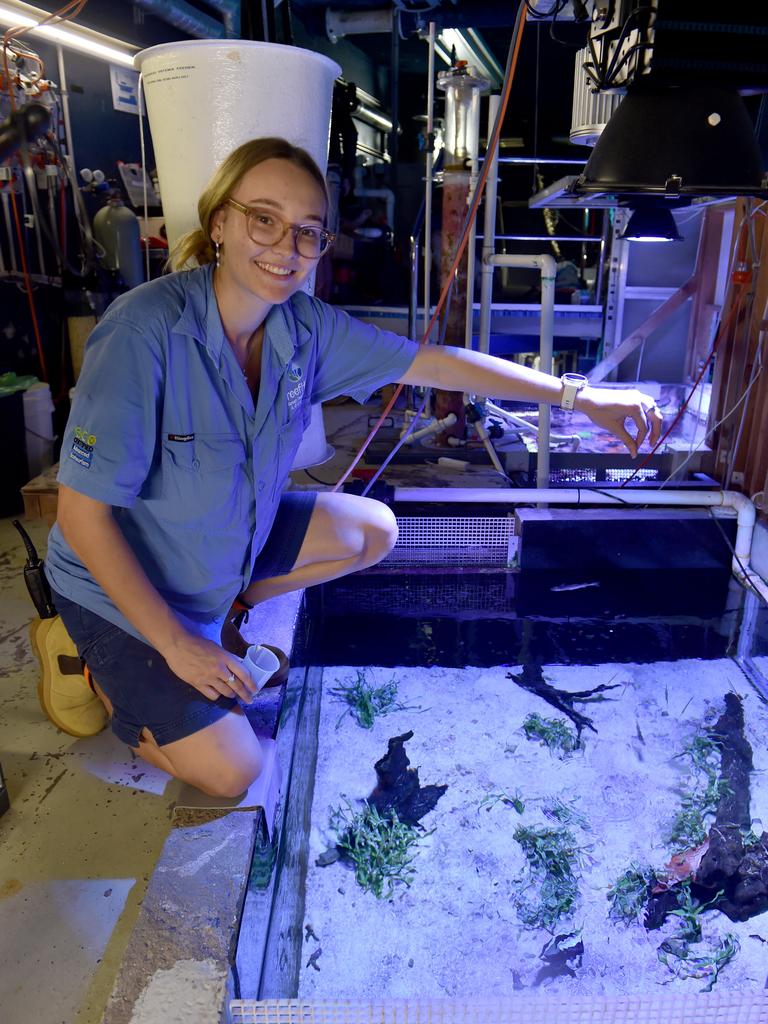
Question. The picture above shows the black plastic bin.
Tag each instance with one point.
(14, 473)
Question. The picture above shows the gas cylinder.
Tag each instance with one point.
(116, 229)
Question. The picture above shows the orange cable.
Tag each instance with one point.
(490, 148)
(28, 287)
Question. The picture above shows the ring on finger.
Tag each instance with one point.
(231, 678)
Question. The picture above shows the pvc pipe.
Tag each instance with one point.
(64, 95)
(232, 16)
(184, 17)
(350, 23)
(428, 178)
(413, 300)
(489, 236)
(8, 229)
(432, 428)
(484, 436)
(471, 258)
(547, 267)
(740, 503)
(524, 424)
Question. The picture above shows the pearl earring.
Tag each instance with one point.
(217, 253)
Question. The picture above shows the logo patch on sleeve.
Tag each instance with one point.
(82, 447)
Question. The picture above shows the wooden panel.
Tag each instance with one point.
(741, 439)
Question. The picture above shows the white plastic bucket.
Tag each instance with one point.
(206, 97)
(38, 428)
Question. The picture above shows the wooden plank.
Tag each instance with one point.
(641, 333)
(754, 450)
(705, 275)
(284, 940)
(735, 363)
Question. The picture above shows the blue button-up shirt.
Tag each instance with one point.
(164, 429)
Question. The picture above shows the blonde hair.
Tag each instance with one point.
(197, 244)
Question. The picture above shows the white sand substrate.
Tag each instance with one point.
(456, 931)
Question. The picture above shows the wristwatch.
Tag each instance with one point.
(572, 385)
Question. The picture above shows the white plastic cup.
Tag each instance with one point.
(261, 664)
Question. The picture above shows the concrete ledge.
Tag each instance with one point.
(178, 963)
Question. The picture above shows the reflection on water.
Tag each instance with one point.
(484, 619)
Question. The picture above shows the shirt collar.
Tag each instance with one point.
(288, 325)
(200, 317)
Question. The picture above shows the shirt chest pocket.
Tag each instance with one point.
(289, 438)
(204, 482)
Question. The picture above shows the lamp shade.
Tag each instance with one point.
(675, 141)
(651, 223)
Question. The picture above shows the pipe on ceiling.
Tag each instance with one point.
(231, 12)
(184, 17)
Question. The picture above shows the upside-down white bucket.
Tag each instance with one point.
(205, 97)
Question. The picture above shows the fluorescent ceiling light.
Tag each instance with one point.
(68, 34)
(470, 46)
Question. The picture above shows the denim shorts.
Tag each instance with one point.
(137, 680)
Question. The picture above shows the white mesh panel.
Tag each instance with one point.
(453, 540)
(711, 1008)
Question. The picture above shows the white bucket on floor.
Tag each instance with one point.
(38, 428)
(205, 97)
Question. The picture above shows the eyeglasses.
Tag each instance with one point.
(266, 228)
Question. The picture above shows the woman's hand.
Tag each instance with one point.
(210, 669)
(610, 408)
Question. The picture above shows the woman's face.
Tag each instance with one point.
(274, 272)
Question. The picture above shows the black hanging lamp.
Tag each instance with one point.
(676, 142)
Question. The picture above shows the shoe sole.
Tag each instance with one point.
(38, 633)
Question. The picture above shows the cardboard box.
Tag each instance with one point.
(41, 496)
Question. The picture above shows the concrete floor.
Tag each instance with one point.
(86, 825)
(87, 820)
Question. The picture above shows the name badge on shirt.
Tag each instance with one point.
(181, 437)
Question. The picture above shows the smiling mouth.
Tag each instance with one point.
(274, 269)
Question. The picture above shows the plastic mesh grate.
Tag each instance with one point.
(727, 1008)
(636, 474)
(452, 540)
(585, 475)
(423, 595)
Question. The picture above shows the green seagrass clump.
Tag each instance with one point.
(629, 893)
(552, 856)
(689, 827)
(366, 702)
(381, 847)
(552, 732)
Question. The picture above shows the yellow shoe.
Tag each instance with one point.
(65, 696)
